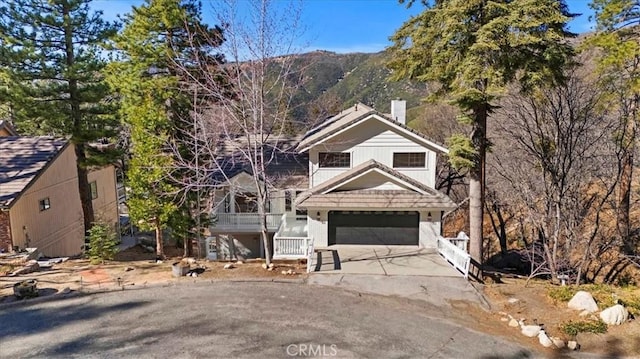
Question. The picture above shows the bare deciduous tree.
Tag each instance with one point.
(555, 151)
(244, 121)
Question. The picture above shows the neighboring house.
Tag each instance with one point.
(39, 201)
(6, 129)
(370, 182)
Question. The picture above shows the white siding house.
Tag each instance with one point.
(370, 181)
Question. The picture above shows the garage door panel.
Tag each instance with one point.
(377, 235)
(381, 228)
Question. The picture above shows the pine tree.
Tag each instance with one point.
(156, 45)
(50, 78)
(473, 49)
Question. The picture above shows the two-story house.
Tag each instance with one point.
(370, 181)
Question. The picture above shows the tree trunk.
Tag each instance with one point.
(624, 187)
(83, 188)
(188, 251)
(476, 187)
(159, 240)
(76, 116)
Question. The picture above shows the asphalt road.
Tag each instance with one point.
(239, 320)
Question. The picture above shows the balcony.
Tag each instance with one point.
(244, 222)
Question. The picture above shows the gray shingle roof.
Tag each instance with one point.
(21, 160)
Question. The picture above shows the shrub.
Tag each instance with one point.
(562, 294)
(584, 326)
(103, 243)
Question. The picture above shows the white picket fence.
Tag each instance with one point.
(458, 257)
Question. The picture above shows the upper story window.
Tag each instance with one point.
(409, 160)
(93, 187)
(288, 202)
(44, 204)
(335, 159)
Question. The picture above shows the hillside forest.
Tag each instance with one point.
(541, 123)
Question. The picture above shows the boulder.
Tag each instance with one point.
(573, 345)
(264, 265)
(514, 323)
(544, 339)
(228, 266)
(615, 315)
(559, 343)
(239, 262)
(530, 330)
(583, 301)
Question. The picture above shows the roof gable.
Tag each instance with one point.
(22, 160)
(371, 166)
(334, 193)
(355, 116)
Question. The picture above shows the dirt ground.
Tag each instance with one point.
(533, 303)
(136, 267)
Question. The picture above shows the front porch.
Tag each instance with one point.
(243, 222)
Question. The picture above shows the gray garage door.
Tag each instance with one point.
(378, 228)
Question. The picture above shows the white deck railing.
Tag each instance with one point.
(245, 221)
(456, 256)
(290, 247)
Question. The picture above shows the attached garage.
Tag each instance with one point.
(374, 228)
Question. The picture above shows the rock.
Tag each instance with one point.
(194, 274)
(271, 265)
(559, 343)
(264, 265)
(239, 262)
(66, 290)
(270, 268)
(529, 330)
(503, 313)
(128, 269)
(544, 339)
(513, 300)
(583, 301)
(514, 323)
(505, 319)
(615, 315)
(159, 261)
(228, 266)
(30, 267)
(290, 272)
(284, 272)
(190, 260)
(573, 345)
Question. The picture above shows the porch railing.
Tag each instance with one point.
(245, 221)
(290, 247)
(456, 256)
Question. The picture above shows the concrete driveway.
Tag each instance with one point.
(383, 260)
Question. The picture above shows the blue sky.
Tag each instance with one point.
(349, 25)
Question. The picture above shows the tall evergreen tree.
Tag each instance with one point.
(473, 49)
(157, 44)
(619, 64)
(50, 71)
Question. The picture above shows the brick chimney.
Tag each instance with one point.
(399, 111)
